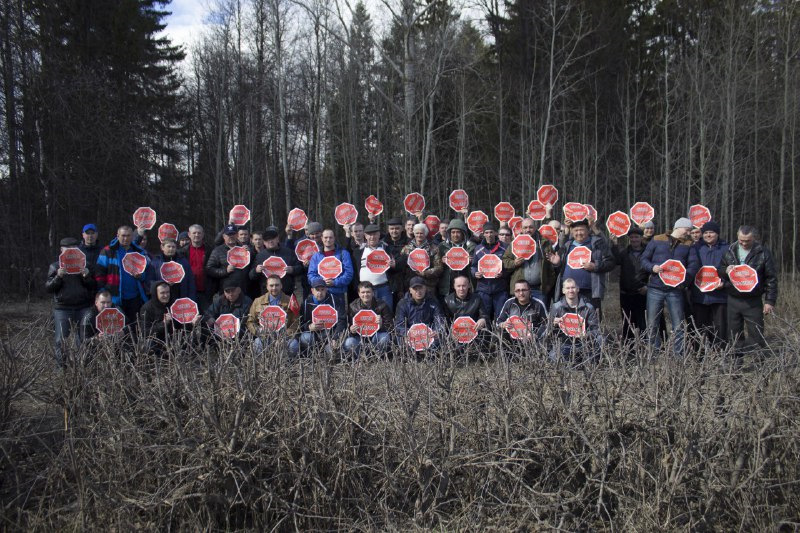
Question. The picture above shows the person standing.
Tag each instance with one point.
(197, 253)
(632, 283)
(710, 309)
(127, 292)
(492, 291)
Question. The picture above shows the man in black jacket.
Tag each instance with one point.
(89, 245)
(632, 283)
(745, 309)
(272, 247)
(218, 267)
(463, 302)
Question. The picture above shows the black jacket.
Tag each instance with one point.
(309, 304)
(294, 268)
(91, 253)
(760, 259)
(73, 291)
(631, 275)
(217, 268)
(380, 308)
(472, 307)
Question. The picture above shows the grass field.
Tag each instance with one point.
(225, 440)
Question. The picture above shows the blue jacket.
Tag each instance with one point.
(490, 285)
(109, 272)
(601, 257)
(709, 256)
(662, 248)
(186, 288)
(339, 284)
(427, 312)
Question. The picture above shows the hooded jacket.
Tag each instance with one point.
(151, 314)
(184, 289)
(446, 279)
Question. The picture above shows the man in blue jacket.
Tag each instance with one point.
(337, 287)
(678, 246)
(418, 306)
(709, 309)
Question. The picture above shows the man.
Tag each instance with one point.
(632, 283)
(337, 286)
(218, 267)
(102, 301)
(434, 271)
(648, 231)
(154, 317)
(745, 308)
(463, 302)
(354, 237)
(313, 232)
(183, 239)
(127, 292)
(441, 235)
(585, 346)
(710, 309)
(186, 288)
(243, 236)
(395, 242)
(505, 235)
(197, 253)
(539, 270)
(272, 248)
(89, 245)
(456, 237)
(72, 298)
(379, 282)
(367, 300)
(530, 309)
(396, 238)
(419, 307)
(257, 241)
(661, 248)
(492, 291)
(313, 332)
(590, 277)
(695, 234)
(411, 221)
(274, 296)
(232, 301)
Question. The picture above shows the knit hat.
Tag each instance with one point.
(682, 222)
(313, 227)
(710, 226)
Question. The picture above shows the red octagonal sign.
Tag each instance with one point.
(239, 215)
(547, 194)
(573, 211)
(518, 328)
(239, 257)
(172, 272)
(419, 260)
(457, 258)
(329, 268)
(504, 211)
(184, 310)
(642, 213)
(167, 231)
(464, 329)
(414, 203)
(305, 250)
(490, 266)
(744, 278)
(227, 326)
(325, 315)
(673, 273)
(368, 322)
(707, 279)
(420, 337)
(537, 210)
(73, 260)
(134, 263)
(297, 219)
(573, 324)
(515, 224)
(378, 261)
(578, 257)
(618, 223)
(459, 200)
(345, 214)
(272, 318)
(549, 232)
(476, 220)
(109, 321)
(699, 215)
(523, 247)
(274, 266)
(373, 206)
(144, 218)
(432, 222)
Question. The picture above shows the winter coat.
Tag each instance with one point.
(490, 285)
(601, 257)
(430, 276)
(584, 309)
(73, 291)
(760, 259)
(307, 310)
(185, 253)
(410, 312)
(343, 280)
(109, 272)
(632, 276)
(217, 268)
(472, 307)
(184, 289)
(379, 306)
(662, 248)
(91, 252)
(549, 273)
(445, 284)
(709, 256)
(534, 312)
(292, 322)
(293, 268)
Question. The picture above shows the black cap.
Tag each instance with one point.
(230, 229)
(582, 222)
(711, 226)
(371, 228)
(183, 235)
(270, 233)
(489, 226)
(318, 284)
(69, 241)
(635, 230)
(230, 282)
(416, 281)
(396, 221)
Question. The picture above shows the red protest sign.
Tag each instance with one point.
(459, 200)
(272, 318)
(699, 215)
(305, 250)
(490, 266)
(227, 326)
(373, 206)
(368, 322)
(345, 214)
(673, 273)
(591, 212)
(515, 224)
(518, 328)
(549, 232)
(184, 310)
(574, 211)
(476, 220)
(579, 256)
(503, 211)
(432, 222)
(618, 223)
(420, 337)
(456, 258)
(109, 321)
(744, 278)
(523, 246)
(73, 260)
(642, 213)
(418, 260)
(172, 272)
(547, 194)
(297, 219)
(707, 279)
(274, 266)
(414, 203)
(239, 215)
(329, 268)
(378, 261)
(325, 315)
(239, 257)
(537, 210)
(134, 263)
(144, 218)
(464, 329)
(573, 324)
(167, 231)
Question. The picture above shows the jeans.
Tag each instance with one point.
(379, 342)
(673, 298)
(493, 302)
(385, 293)
(63, 320)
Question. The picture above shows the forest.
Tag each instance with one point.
(309, 103)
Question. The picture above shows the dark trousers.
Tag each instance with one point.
(596, 302)
(633, 308)
(131, 309)
(746, 313)
(712, 320)
(493, 302)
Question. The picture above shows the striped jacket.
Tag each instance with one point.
(109, 272)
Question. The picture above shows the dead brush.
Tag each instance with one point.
(223, 438)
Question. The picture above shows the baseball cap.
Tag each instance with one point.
(89, 227)
(416, 281)
(230, 229)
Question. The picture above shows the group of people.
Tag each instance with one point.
(557, 302)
